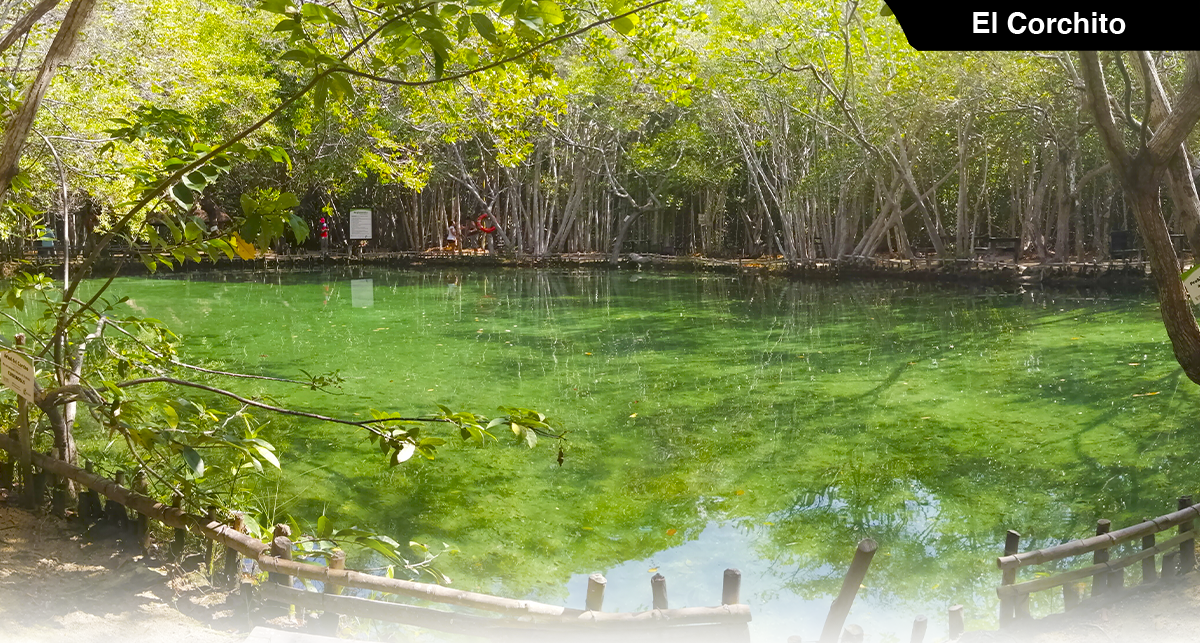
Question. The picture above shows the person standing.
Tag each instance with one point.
(324, 237)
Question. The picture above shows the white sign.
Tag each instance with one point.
(362, 293)
(1191, 284)
(360, 224)
(16, 373)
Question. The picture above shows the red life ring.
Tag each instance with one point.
(479, 224)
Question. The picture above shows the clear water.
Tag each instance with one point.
(716, 421)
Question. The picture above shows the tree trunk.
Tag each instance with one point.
(17, 129)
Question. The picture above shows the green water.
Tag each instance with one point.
(715, 422)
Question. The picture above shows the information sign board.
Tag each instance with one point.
(360, 224)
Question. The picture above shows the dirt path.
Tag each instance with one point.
(57, 587)
(1168, 616)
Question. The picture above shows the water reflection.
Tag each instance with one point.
(717, 422)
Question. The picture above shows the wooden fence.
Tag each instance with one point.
(519, 619)
(1107, 575)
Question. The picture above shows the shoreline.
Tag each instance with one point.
(1114, 274)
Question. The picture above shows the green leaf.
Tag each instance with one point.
(625, 25)
(267, 455)
(379, 546)
(340, 86)
(406, 452)
(320, 14)
(299, 55)
(275, 6)
(194, 461)
(183, 195)
(509, 6)
(463, 28)
(549, 12)
(321, 93)
(484, 26)
(324, 527)
(429, 22)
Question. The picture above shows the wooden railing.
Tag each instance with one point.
(274, 558)
(1108, 576)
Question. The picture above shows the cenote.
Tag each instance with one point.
(713, 421)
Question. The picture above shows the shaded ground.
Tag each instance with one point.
(57, 587)
(1169, 616)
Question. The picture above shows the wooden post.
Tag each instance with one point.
(85, 499)
(141, 484)
(330, 620)
(39, 490)
(850, 584)
(246, 589)
(1021, 605)
(208, 544)
(1070, 596)
(1187, 548)
(6, 467)
(1100, 581)
(920, 625)
(281, 547)
(26, 443)
(232, 557)
(1116, 580)
(58, 496)
(658, 587)
(731, 587)
(180, 539)
(956, 622)
(1170, 565)
(58, 491)
(1012, 544)
(595, 592)
(114, 512)
(852, 634)
(1149, 574)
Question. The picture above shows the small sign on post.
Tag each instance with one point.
(1191, 283)
(360, 225)
(16, 373)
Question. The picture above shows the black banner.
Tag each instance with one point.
(1051, 25)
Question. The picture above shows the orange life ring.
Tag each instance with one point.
(479, 224)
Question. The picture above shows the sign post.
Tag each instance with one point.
(360, 227)
(16, 373)
(1191, 283)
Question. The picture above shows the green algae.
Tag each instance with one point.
(714, 421)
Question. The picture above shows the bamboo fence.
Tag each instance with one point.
(731, 617)
(1108, 576)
